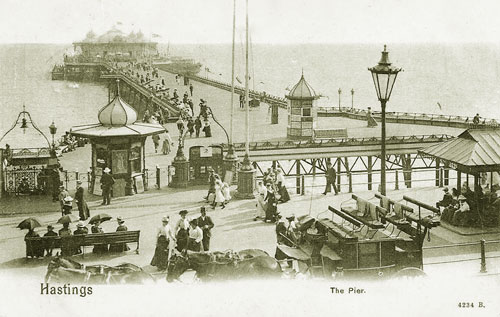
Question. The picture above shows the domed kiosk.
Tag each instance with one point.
(118, 143)
(302, 113)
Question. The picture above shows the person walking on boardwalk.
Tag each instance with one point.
(156, 141)
(195, 236)
(63, 193)
(181, 230)
(331, 176)
(191, 88)
(167, 143)
(207, 129)
(107, 182)
(261, 203)
(164, 240)
(219, 195)
(197, 126)
(211, 183)
(206, 224)
(83, 208)
(190, 126)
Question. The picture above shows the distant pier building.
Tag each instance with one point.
(114, 43)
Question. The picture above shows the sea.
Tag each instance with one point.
(454, 79)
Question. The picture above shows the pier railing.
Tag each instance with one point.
(288, 144)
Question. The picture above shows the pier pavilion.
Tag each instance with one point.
(118, 143)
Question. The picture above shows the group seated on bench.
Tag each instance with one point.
(464, 211)
(365, 212)
(73, 244)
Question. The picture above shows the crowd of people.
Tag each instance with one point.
(467, 207)
(270, 191)
(188, 234)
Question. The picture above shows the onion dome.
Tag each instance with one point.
(302, 90)
(117, 113)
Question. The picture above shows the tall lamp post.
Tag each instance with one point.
(384, 76)
(53, 131)
(352, 99)
(340, 92)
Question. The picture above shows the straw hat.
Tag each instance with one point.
(165, 219)
(120, 220)
(107, 170)
(462, 197)
(80, 224)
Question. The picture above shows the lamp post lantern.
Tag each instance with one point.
(53, 131)
(352, 99)
(340, 92)
(384, 76)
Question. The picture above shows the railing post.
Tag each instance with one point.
(483, 257)
(158, 181)
(349, 176)
(297, 180)
(303, 189)
(441, 176)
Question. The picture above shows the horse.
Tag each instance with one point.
(65, 270)
(208, 266)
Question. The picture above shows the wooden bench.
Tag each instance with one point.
(428, 222)
(336, 230)
(87, 240)
(361, 215)
(345, 216)
(388, 213)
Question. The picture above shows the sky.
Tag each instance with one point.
(271, 21)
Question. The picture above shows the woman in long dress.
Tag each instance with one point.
(261, 203)
(280, 182)
(164, 240)
(167, 143)
(272, 203)
(219, 195)
(181, 230)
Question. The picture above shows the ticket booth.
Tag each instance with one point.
(201, 158)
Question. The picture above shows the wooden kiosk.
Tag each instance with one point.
(118, 143)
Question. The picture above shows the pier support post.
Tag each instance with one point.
(438, 162)
(348, 171)
(314, 166)
(297, 179)
(396, 185)
(406, 159)
(369, 170)
(446, 174)
(339, 162)
(274, 113)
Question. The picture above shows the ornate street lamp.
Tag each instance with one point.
(384, 76)
(340, 92)
(53, 131)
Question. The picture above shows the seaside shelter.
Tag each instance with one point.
(475, 152)
(26, 158)
(302, 111)
(118, 143)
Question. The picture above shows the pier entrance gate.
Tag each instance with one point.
(201, 158)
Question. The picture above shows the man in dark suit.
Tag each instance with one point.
(83, 209)
(206, 224)
(107, 182)
(331, 175)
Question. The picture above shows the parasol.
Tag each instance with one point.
(100, 217)
(67, 219)
(29, 223)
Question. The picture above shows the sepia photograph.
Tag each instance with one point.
(249, 158)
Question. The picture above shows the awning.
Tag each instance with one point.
(329, 253)
(99, 130)
(294, 253)
(473, 151)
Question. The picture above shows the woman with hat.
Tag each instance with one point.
(195, 236)
(63, 193)
(272, 204)
(280, 182)
(181, 229)
(164, 240)
(67, 205)
(119, 247)
(261, 203)
(102, 248)
(83, 208)
(80, 230)
(460, 217)
(49, 243)
(219, 195)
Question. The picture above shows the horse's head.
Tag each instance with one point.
(177, 265)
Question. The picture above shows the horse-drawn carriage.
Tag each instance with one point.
(361, 239)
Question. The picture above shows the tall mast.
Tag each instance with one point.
(232, 76)
(247, 117)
